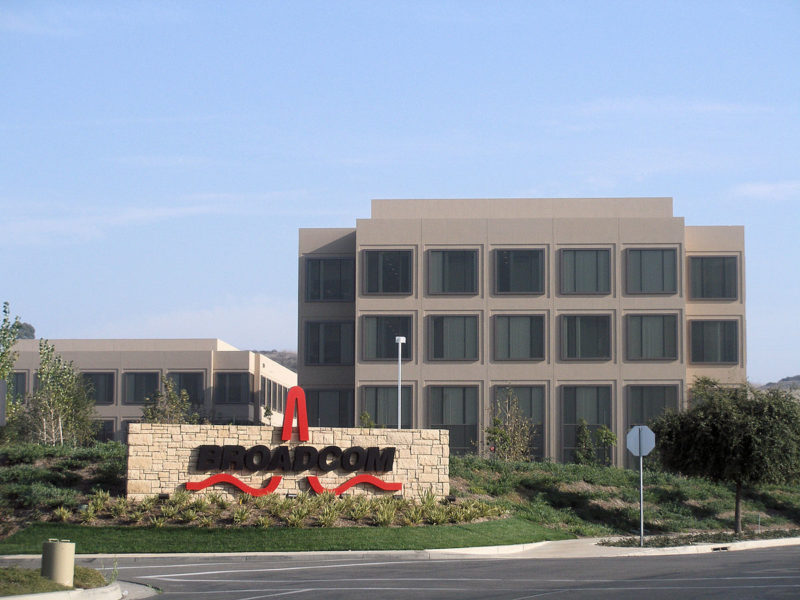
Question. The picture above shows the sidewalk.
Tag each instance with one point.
(589, 548)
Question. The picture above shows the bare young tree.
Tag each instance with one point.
(511, 432)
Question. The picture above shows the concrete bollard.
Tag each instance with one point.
(58, 561)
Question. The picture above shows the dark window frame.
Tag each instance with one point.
(408, 353)
(463, 427)
(629, 400)
(345, 408)
(127, 374)
(102, 433)
(452, 251)
(432, 330)
(629, 273)
(705, 322)
(407, 419)
(344, 296)
(194, 402)
(693, 260)
(112, 388)
(629, 333)
(563, 275)
(563, 334)
(322, 362)
(565, 450)
(380, 283)
(219, 400)
(539, 286)
(542, 338)
(15, 376)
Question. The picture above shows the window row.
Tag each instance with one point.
(522, 338)
(522, 271)
(456, 408)
(229, 388)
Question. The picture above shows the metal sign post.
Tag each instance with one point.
(640, 441)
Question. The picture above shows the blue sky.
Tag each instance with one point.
(159, 157)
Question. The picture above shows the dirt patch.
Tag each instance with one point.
(611, 504)
(581, 487)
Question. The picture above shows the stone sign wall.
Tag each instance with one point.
(163, 459)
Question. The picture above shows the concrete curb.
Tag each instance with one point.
(109, 592)
(576, 548)
(707, 548)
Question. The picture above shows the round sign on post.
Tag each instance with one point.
(641, 440)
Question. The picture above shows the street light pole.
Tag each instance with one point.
(399, 340)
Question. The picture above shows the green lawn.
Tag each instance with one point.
(89, 540)
(15, 581)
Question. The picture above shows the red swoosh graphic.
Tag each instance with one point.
(370, 479)
(225, 478)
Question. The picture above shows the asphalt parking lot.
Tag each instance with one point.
(766, 573)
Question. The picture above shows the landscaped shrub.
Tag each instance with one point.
(39, 495)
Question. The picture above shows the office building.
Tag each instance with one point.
(225, 384)
(597, 309)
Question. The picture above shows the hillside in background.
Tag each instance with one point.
(787, 383)
(286, 358)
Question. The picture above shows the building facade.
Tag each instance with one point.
(225, 384)
(597, 309)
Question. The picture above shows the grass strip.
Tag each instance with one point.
(668, 541)
(119, 540)
(14, 581)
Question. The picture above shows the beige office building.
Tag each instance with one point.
(225, 384)
(598, 309)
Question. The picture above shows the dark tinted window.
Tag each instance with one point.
(330, 343)
(139, 386)
(652, 271)
(330, 279)
(715, 341)
(330, 408)
(192, 383)
(456, 409)
(589, 403)
(453, 271)
(232, 388)
(713, 277)
(379, 337)
(585, 337)
(381, 405)
(652, 337)
(519, 337)
(585, 272)
(388, 271)
(519, 271)
(454, 338)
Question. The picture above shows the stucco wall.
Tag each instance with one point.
(162, 458)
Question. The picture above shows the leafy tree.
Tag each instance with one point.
(737, 435)
(585, 453)
(511, 432)
(606, 440)
(60, 411)
(169, 406)
(9, 331)
(26, 331)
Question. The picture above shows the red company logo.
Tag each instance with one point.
(214, 455)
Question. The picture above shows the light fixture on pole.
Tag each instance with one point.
(399, 340)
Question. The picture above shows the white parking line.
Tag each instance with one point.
(269, 570)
